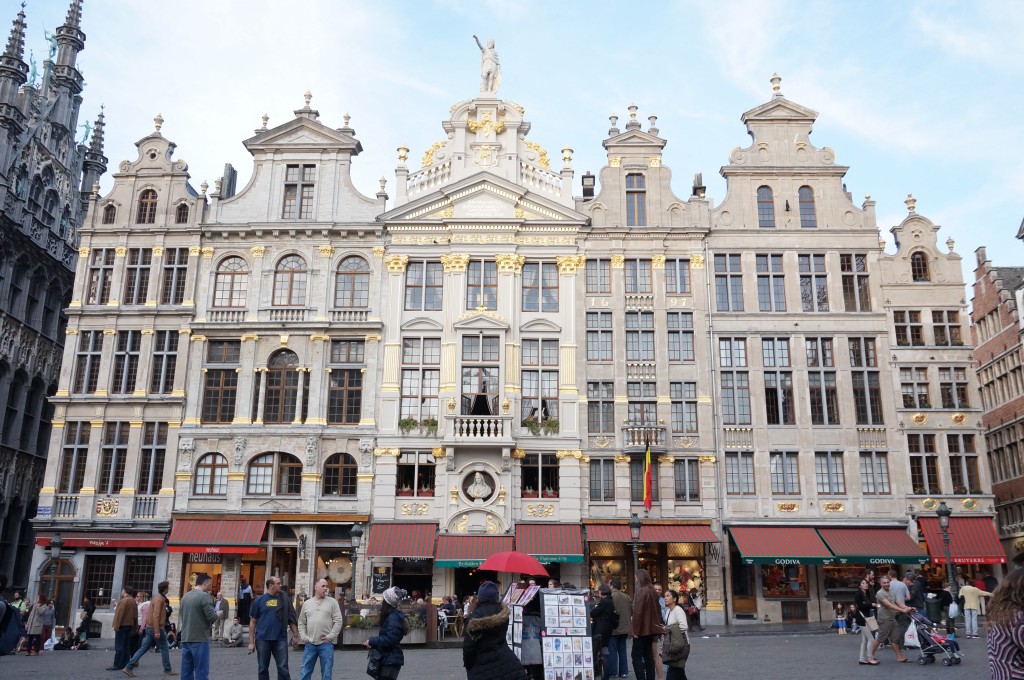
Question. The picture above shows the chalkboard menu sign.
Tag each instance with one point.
(381, 579)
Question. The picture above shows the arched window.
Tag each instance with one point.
(352, 285)
(282, 467)
(211, 476)
(231, 283)
(50, 207)
(808, 218)
(290, 281)
(282, 388)
(181, 214)
(340, 475)
(147, 207)
(109, 214)
(919, 267)
(765, 207)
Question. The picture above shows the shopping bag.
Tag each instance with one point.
(911, 639)
(954, 611)
(871, 622)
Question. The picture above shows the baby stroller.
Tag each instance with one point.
(934, 643)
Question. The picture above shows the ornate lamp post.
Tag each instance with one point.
(943, 513)
(355, 535)
(634, 534)
(56, 545)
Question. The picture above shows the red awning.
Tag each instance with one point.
(780, 545)
(868, 545)
(409, 539)
(468, 551)
(103, 539)
(550, 542)
(612, 533)
(677, 533)
(234, 536)
(972, 540)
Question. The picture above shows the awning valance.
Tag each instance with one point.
(612, 533)
(550, 543)
(677, 533)
(869, 545)
(454, 550)
(780, 545)
(972, 540)
(231, 536)
(402, 539)
(103, 539)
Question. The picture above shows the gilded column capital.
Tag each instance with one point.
(387, 452)
(378, 251)
(193, 251)
(249, 336)
(258, 251)
(622, 459)
(439, 452)
(396, 263)
(618, 261)
(577, 454)
(326, 251)
(120, 251)
(509, 264)
(570, 264)
(83, 251)
(697, 260)
(208, 253)
(657, 262)
(319, 337)
(158, 251)
(455, 262)
(519, 454)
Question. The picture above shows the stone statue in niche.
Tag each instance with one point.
(185, 448)
(312, 451)
(239, 450)
(490, 67)
(479, 489)
(365, 452)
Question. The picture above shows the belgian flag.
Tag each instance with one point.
(648, 482)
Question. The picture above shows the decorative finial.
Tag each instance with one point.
(383, 183)
(203, 187)
(346, 118)
(567, 156)
(96, 191)
(950, 243)
(308, 96)
(158, 121)
(216, 186)
(867, 197)
(403, 154)
(911, 203)
(613, 127)
(776, 84)
(265, 118)
(632, 111)
(613, 119)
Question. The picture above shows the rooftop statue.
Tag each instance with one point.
(490, 67)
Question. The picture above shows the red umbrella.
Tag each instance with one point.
(514, 562)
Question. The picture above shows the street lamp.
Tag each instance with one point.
(943, 512)
(634, 534)
(355, 535)
(56, 544)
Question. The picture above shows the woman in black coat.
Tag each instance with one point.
(485, 653)
(393, 627)
(604, 620)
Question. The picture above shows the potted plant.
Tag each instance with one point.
(551, 426)
(529, 492)
(919, 491)
(533, 426)
(407, 424)
(430, 425)
(404, 490)
(550, 493)
(959, 489)
(424, 491)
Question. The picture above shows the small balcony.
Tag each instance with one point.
(350, 315)
(635, 301)
(146, 507)
(65, 507)
(738, 437)
(478, 428)
(288, 313)
(639, 436)
(872, 438)
(227, 315)
(641, 370)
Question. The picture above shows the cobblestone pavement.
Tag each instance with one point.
(766, 657)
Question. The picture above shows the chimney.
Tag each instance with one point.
(588, 184)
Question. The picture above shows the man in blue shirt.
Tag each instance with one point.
(271, 618)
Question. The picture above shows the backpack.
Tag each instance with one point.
(10, 631)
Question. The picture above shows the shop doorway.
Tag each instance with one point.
(57, 582)
(467, 580)
(414, 576)
(254, 569)
(742, 580)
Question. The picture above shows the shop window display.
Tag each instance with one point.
(784, 582)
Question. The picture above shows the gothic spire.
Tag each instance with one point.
(96, 144)
(74, 17)
(16, 43)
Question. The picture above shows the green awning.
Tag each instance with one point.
(780, 545)
(867, 545)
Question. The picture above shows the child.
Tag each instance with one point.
(841, 619)
(851, 617)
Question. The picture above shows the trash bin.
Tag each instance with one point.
(933, 609)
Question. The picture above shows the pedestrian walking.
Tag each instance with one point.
(156, 619)
(647, 624)
(271, 618)
(1005, 640)
(21, 608)
(34, 626)
(888, 629)
(604, 620)
(139, 634)
(387, 644)
(617, 659)
(320, 624)
(900, 591)
(864, 601)
(485, 653)
(126, 620)
(676, 626)
(196, 614)
(972, 603)
(244, 601)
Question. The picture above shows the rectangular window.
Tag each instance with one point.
(963, 464)
(599, 277)
(99, 578)
(540, 287)
(867, 392)
(821, 384)
(914, 387)
(421, 378)
(602, 480)
(680, 336)
(874, 473)
(785, 473)
(677, 277)
(638, 276)
(636, 200)
(728, 283)
(482, 285)
(771, 284)
(101, 275)
(909, 331)
(114, 456)
(856, 290)
(778, 398)
(136, 277)
(540, 475)
(87, 361)
(687, 480)
(540, 381)
(424, 283)
(140, 571)
(74, 457)
(126, 362)
(946, 327)
(175, 272)
(775, 352)
(299, 182)
(953, 387)
(220, 386)
(637, 465)
(732, 352)
(924, 464)
(601, 407)
(639, 336)
(642, 406)
(735, 398)
(416, 474)
(165, 361)
(739, 473)
(599, 336)
(813, 283)
(151, 462)
(684, 407)
(345, 391)
(828, 473)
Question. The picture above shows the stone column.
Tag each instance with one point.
(320, 289)
(510, 269)
(193, 413)
(106, 370)
(145, 364)
(319, 377)
(155, 280)
(570, 484)
(253, 301)
(367, 417)
(622, 501)
(666, 485)
(568, 388)
(117, 285)
(454, 295)
(263, 394)
(246, 372)
(192, 277)
(390, 389)
(302, 371)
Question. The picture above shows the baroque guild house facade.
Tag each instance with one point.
(483, 361)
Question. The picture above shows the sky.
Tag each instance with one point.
(915, 97)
